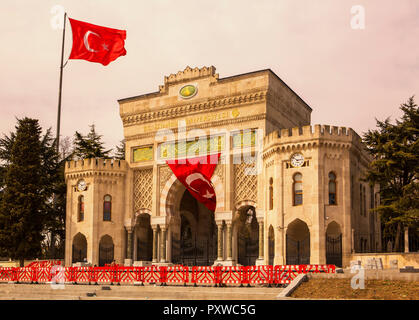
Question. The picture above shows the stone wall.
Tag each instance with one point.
(404, 259)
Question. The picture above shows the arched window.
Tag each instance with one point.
(298, 189)
(107, 208)
(332, 188)
(271, 194)
(81, 208)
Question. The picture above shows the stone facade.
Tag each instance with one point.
(257, 123)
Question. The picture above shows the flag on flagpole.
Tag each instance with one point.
(96, 43)
(195, 174)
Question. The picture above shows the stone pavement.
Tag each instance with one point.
(92, 292)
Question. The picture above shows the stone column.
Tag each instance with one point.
(129, 242)
(220, 241)
(155, 235)
(134, 254)
(229, 240)
(163, 245)
(128, 260)
(261, 240)
(406, 240)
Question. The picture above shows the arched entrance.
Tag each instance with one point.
(106, 250)
(144, 238)
(271, 245)
(298, 243)
(334, 244)
(247, 236)
(79, 249)
(195, 241)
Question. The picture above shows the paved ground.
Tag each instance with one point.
(92, 292)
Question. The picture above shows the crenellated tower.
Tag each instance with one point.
(95, 209)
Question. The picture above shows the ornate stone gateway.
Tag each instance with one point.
(260, 128)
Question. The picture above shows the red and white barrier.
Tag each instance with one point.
(179, 274)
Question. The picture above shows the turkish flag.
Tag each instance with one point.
(195, 174)
(95, 43)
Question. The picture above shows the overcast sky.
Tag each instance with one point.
(349, 77)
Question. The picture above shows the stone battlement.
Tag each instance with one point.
(190, 74)
(310, 132)
(95, 164)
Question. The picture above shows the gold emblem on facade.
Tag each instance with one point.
(235, 113)
(188, 91)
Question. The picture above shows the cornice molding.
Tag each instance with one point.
(186, 109)
(202, 126)
(93, 173)
(303, 145)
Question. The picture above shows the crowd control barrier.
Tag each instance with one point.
(163, 275)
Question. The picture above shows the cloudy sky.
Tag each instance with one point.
(348, 76)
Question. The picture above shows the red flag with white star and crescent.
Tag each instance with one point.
(195, 174)
(95, 43)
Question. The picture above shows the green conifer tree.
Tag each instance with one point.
(21, 216)
(120, 151)
(90, 146)
(395, 149)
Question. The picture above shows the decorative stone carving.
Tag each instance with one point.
(143, 189)
(245, 184)
(219, 171)
(164, 175)
(189, 74)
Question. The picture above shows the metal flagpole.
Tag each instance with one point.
(57, 140)
(61, 85)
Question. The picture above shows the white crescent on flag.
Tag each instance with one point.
(86, 40)
(198, 176)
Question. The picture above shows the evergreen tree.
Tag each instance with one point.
(53, 165)
(90, 146)
(120, 151)
(5, 147)
(21, 216)
(395, 168)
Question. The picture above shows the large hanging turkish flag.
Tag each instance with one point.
(195, 174)
(95, 43)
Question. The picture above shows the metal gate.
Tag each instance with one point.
(78, 254)
(334, 250)
(298, 252)
(105, 254)
(250, 252)
(144, 250)
(197, 253)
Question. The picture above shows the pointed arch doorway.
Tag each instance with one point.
(106, 250)
(298, 243)
(334, 244)
(79, 248)
(247, 228)
(194, 243)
